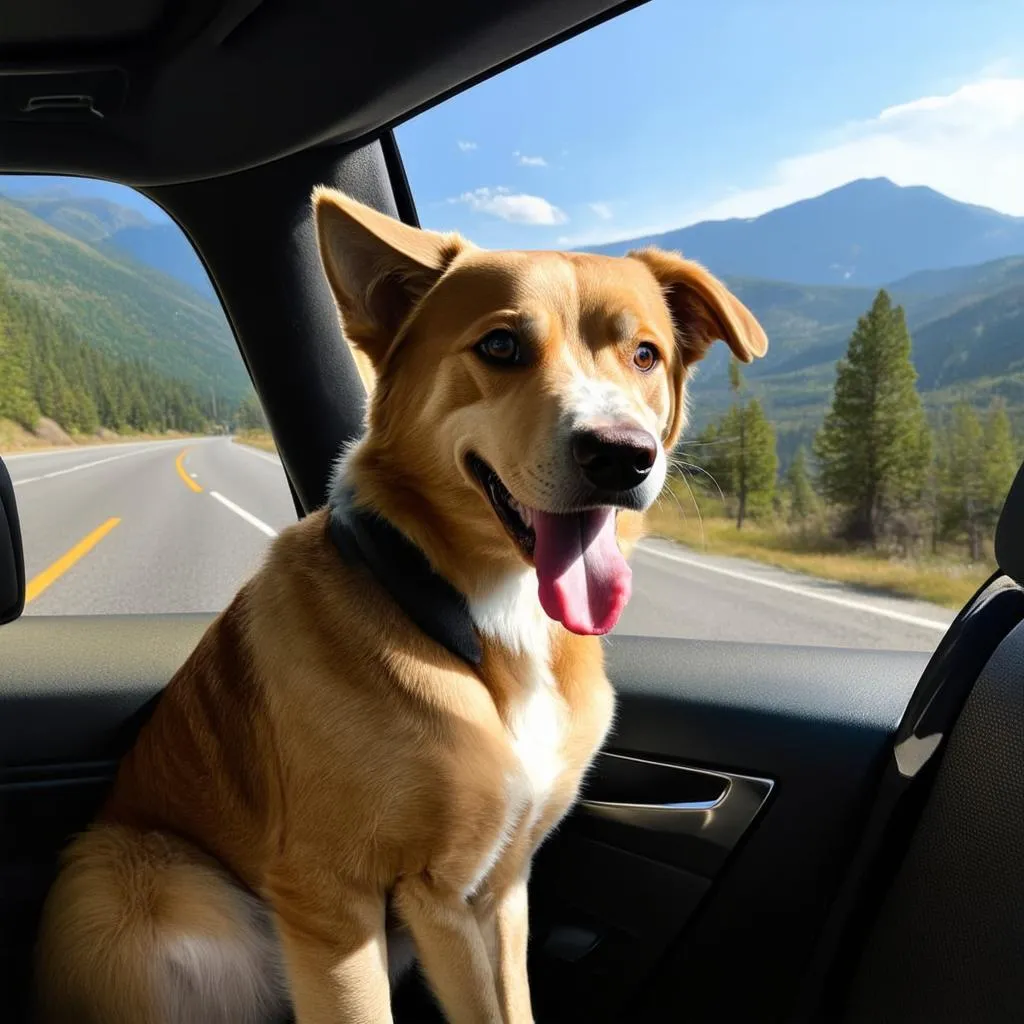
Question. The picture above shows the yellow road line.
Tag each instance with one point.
(181, 471)
(61, 566)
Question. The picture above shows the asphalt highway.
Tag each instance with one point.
(177, 526)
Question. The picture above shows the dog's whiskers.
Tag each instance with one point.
(683, 465)
(696, 506)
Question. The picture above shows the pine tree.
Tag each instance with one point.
(961, 478)
(16, 400)
(758, 461)
(999, 460)
(874, 447)
(740, 453)
(803, 502)
(249, 414)
(46, 368)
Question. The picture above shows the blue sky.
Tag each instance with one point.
(680, 111)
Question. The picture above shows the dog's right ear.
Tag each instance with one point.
(378, 269)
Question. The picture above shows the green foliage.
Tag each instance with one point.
(46, 369)
(17, 401)
(1000, 457)
(735, 377)
(249, 414)
(960, 479)
(874, 447)
(974, 468)
(967, 324)
(803, 502)
(739, 453)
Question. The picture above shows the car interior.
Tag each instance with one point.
(772, 833)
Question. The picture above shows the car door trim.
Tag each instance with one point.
(720, 822)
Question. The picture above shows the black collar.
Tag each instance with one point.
(402, 569)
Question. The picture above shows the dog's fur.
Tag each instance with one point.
(321, 778)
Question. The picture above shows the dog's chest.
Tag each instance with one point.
(536, 715)
(536, 726)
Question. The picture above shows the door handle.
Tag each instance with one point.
(725, 807)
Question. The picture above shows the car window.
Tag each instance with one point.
(864, 199)
(145, 476)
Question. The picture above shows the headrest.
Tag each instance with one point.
(12, 560)
(1010, 531)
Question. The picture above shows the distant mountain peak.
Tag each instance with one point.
(867, 185)
(865, 232)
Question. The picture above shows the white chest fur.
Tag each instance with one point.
(511, 615)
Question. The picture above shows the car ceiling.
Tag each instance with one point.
(183, 90)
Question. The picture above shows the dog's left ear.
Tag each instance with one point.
(703, 309)
(378, 269)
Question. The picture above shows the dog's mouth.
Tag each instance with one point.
(583, 580)
(515, 517)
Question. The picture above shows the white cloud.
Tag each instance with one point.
(968, 144)
(465, 146)
(601, 210)
(515, 207)
(529, 161)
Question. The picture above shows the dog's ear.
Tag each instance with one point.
(378, 269)
(703, 309)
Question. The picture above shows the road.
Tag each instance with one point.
(177, 526)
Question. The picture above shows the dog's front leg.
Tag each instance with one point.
(451, 948)
(337, 962)
(504, 920)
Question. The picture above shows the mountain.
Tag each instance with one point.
(113, 226)
(982, 339)
(129, 282)
(119, 306)
(162, 247)
(46, 370)
(966, 324)
(867, 232)
(87, 218)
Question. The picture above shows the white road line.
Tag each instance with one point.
(266, 456)
(82, 465)
(789, 588)
(247, 516)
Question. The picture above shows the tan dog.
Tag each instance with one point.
(322, 774)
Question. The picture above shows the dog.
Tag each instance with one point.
(368, 745)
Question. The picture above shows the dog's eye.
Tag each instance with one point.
(501, 348)
(645, 358)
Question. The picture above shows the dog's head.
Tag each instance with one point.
(529, 396)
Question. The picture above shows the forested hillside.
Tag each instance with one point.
(120, 306)
(46, 369)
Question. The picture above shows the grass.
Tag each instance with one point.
(946, 578)
(261, 439)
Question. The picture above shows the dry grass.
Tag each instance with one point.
(947, 579)
(256, 439)
(15, 438)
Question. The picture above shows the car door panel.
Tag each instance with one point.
(638, 866)
(811, 726)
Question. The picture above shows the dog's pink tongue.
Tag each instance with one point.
(584, 580)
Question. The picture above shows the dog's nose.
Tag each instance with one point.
(614, 458)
